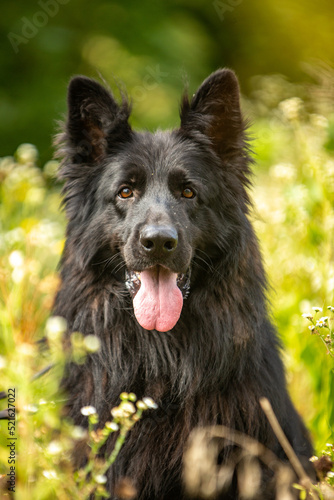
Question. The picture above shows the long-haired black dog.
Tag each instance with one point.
(161, 263)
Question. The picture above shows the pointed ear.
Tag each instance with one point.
(215, 111)
(95, 121)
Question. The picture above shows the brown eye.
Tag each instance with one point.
(125, 192)
(188, 193)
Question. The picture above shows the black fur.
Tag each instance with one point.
(223, 353)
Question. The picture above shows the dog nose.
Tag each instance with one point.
(158, 240)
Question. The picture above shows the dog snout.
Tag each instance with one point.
(158, 241)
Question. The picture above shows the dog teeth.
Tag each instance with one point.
(132, 282)
(183, 282)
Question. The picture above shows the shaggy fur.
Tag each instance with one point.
(223, 353)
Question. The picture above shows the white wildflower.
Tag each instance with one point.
(92, 343)
(27, 153)
(291, 108)
(150, 403)
(54, 448)
(284, 171)
(112, 426)
(124, 410)
(16, 259)
(100, 479)
(117, 412)
(55, 327)
(78, 432)
(31, 408)
(18, 275)
(307, 316)
(128, 408)
(141, 405)
(88, 410)
(50, 474)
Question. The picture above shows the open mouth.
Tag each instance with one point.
(158, 295)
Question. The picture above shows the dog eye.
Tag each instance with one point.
(188, 193)
(125, 192)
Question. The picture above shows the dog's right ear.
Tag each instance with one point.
(96, 123)
(214, 110)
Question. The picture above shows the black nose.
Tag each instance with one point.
(158, 240)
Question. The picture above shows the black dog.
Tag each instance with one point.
(162, 264)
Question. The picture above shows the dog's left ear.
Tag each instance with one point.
(215, 111)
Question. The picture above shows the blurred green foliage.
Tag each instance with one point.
(151, 46)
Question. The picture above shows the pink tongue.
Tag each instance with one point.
(159, 301)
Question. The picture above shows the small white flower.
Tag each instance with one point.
(112, 426)
(27, 153)
(320, 323)
(307, 316)
(31, 408)
(26, 349)
(88, 410)
(312, 328)
(50, 474)
(92, 343)
(313, 459)
(329, 445)
(117, 412)
(141, 405)
(55, 327)
(283, 171)
(78, 432)
(317, 309)
(128, 407)
(124, 410)
(150, 403)
(324, 319)
(330, 474)
(18, 275)
(291, 107)
(100, 479)
(16, 259)
(54, 448)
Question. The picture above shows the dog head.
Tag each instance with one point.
(154, 205)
